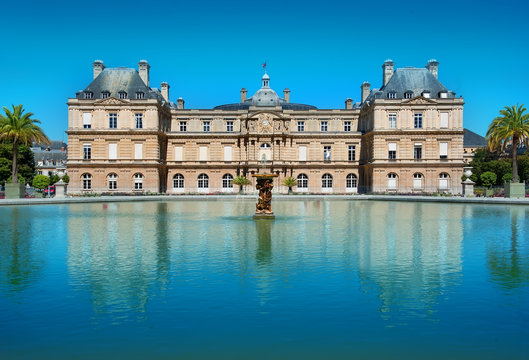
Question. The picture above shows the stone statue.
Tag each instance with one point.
(264, 204)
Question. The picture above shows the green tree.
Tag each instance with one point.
(18, 127)
(511, 128)
(26, 165)
(66, 178)
(488, 178)
(289, 181)
(241, 181)
(41, 182)
(54, 178)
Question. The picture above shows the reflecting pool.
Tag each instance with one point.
(325, 279)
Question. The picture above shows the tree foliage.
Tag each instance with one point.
(66, 178)
(54, 178)
(17, 127)
(511, 129)
(488, 178)
(289, 181)
(26, 165)
(41, 182)
(241, 180)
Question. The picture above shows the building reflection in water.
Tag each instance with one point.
(408, 253)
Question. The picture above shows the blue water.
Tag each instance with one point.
(326, 279)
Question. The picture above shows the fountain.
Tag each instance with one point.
(265, 184)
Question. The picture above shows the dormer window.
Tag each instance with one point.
(122, 95)
(408, 94)
(392, 95)
(426, 94)
(140, 95)
(105, 94)
(88, 95)
(443, 94)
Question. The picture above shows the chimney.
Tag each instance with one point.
(98, 67)
(348, 103)
(164, 88)
(387, 72)
(143, 69)
(433, 66)
(243, 95)
(286, 94)
(180, 103)
(365, 90)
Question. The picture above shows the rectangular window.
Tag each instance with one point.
(301, 126)
(392, 121)
(346, 126)
(87, 151)
(105, 95)
(351, 152)
(206, 126)
(229, 126)
(417, 151)
(227, 153)
(183, 126)
(326, 153)
(113, 120)
(417, 120)
(302, 153)
(178, 153)
(203, 155)
(324, 125)
(444, 120)
(138, 151)
(392, 151)
(112, 151)
(140, 95)
(87, 120)
(139, 120)
(443, 150)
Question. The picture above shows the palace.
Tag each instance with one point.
(406, 136)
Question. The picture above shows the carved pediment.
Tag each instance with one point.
(111, 101)
(419, 100)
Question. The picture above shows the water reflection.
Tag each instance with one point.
(507, 251)
(20, 259)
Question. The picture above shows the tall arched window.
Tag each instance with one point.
(138, 181)
(303, 182)
(87, 181)
(112, 180)
(265, 152)
(227, 181)
(203, 181)
(351, 182)
(178, 181)
(326, 181)
(417, 181)
(392, 181)
(444, 178)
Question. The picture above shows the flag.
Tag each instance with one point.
(264, 65)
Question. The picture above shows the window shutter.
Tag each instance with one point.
(138, 151)
(444, 120)
(443, 149)
(302, 153)
(112, 151)
(178, 153)
(392, 146)
(87, 118)
(227, 153)
(203, 153)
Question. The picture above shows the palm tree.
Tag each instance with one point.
(289, 181)
(511, 128)
(241, 180)
(20, 128)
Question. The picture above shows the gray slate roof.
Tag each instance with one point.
(416, 80)
(119, 79)
(471, 139)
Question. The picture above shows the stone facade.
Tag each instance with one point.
(124, 136)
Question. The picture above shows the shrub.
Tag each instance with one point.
(41, 182)
(488, 178)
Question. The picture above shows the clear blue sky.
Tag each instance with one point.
(207, 51)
